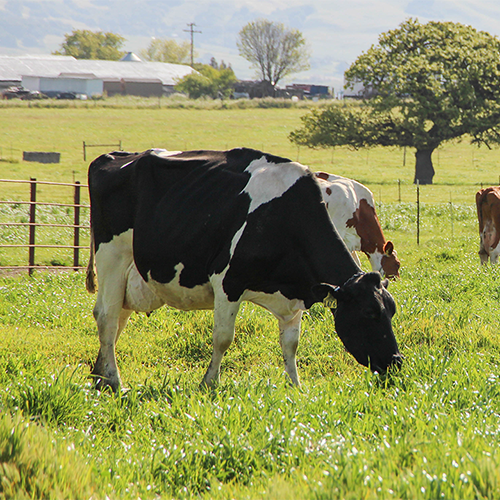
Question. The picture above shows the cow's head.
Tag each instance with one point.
(363, 312)
(390, 262)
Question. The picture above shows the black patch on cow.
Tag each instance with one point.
(112, 194)
(289, 244)
(188, 210)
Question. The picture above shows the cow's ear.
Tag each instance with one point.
(328, 294)
(385, 283)
(388, 248)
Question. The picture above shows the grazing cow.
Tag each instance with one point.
(352, 210)
(210, 229)
(488, 213)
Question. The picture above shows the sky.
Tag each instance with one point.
(336, 31)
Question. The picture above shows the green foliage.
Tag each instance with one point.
(86, 44)
(32, 465)
(208, 82)
(196, 85)
(168, 51)
(433, 83)
(273, 49)
(339, 124)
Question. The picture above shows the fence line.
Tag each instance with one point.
(85, 146)
(32, 245)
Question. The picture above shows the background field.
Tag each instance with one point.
(431, 431)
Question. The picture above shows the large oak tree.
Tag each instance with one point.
(432, 82)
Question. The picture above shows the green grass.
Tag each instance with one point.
(428, 432)
(431, 431)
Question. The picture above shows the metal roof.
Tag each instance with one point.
(131, 57)
(13, 68)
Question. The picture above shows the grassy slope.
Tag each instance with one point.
(430, 432)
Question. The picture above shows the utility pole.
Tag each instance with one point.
(192, 31)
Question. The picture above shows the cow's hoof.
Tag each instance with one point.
(105, 384)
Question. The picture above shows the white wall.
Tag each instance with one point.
(79, 85)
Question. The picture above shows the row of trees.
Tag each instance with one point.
(273, 49)
(433, 83)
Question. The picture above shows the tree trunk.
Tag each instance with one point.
(424, 171)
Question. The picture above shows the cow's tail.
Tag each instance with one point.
(91, 279)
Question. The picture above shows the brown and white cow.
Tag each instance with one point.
(488, 213)
(352, 210)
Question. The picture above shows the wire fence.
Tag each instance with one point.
(24, 214)
(34, 224)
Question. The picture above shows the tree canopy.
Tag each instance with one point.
(211, 80)
(86, 44)
(168, 51)
(432, 82)
(273, 49)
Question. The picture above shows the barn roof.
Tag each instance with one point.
(13, 68)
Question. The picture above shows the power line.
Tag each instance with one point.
(192, 31)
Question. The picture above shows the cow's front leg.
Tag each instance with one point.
(109, 324)
(494, 253)
(224, 318)
(289, 341)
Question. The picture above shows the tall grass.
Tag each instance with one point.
(429, 431)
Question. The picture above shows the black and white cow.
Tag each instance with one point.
(210, 229)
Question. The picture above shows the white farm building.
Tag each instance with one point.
(91, 77)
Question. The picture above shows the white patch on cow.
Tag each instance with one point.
(186, 299)
(164, 153)
(284, 309)
(138, 294)
(494, 253)
(123, 283)
(236, 239)
(376, 261)
(341, 203)
(271, 180)
(115, 256)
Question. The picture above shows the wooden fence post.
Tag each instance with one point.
(31, 259)
(76, 239)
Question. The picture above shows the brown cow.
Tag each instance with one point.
(352, 210)
(488, 213)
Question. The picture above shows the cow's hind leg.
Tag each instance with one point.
(289, 341)
(225, 313)
(113, 261)
(110, 324)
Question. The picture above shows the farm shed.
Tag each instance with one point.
(132, 86)
(131, 70)
(85, 84)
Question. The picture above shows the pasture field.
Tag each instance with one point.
(430, 431)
